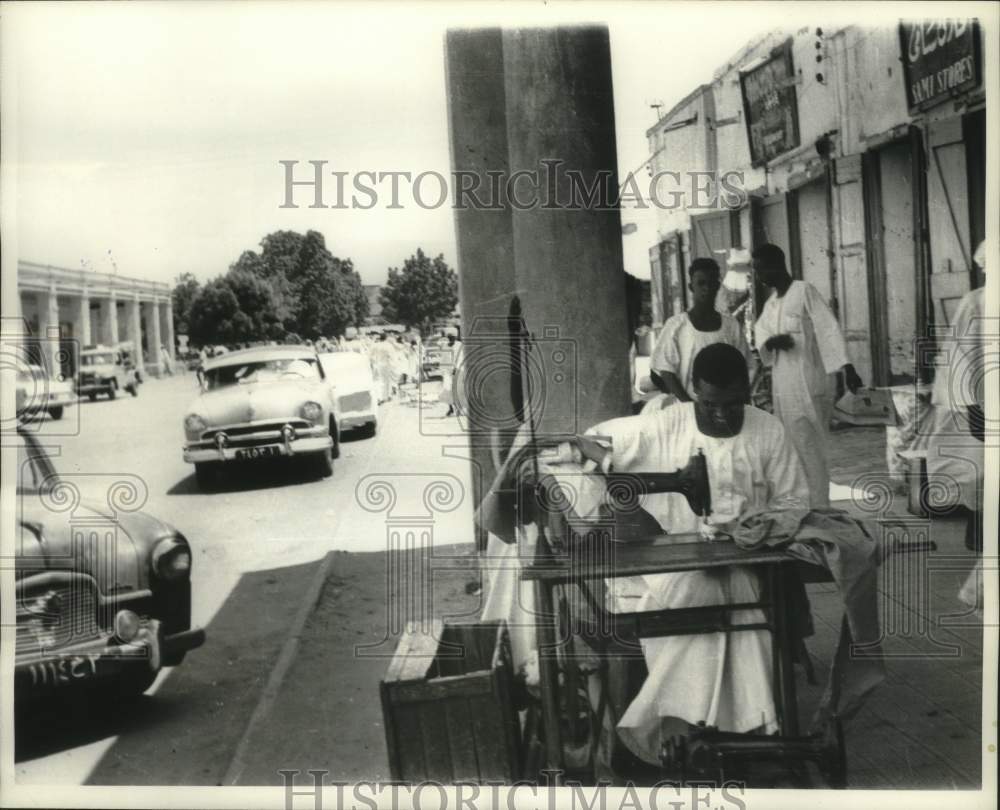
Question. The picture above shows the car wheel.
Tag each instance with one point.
(92, 397)
(133, 389)
(324, 463)
(335, 435)
(112, 390)
(56, 412)
(205, 475)
(368, 430)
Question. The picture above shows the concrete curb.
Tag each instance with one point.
(281, 668)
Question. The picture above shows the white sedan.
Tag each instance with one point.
(350, 377)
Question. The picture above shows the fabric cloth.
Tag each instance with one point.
(723, 679)
(850, 549)
(679, 342)
(956, 459)
(801, 383)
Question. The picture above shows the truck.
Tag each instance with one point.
(103, 371)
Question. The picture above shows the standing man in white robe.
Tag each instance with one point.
(723, 679)
(799, 339)
(687, 333)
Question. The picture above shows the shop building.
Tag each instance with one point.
(862, 153)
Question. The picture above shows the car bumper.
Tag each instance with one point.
(356, 420)
(99, 659)
(94, 388)
(296, 447)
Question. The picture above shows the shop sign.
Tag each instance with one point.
(940, 59)
(770, 107)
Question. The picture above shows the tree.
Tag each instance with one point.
(186, 289)
(422, 292)
(214, 315)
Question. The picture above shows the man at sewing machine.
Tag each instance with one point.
(721, 679)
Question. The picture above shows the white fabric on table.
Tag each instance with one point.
(801, 383)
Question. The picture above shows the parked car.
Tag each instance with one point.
(103, 371)
(99, 614)
(37, 393)
(261, 403)
(350, 377)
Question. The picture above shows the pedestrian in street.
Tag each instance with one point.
(687, 333)
(165, 363)
(956, 422)
(799, 339)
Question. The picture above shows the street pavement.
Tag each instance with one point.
(257, 544)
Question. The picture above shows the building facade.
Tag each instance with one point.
(862, 153)
(66, 309)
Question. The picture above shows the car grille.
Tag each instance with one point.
(362, 400)
(236, 431)
(87, 378)
(54, 615)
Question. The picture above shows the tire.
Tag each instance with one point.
(335, 435)
(323, 463)
(113, 390)
(56, 413)
(133, 389)
(368, 430)
(92, 396)
(205, 475)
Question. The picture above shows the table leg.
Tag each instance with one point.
(783, 634)
(548, 673)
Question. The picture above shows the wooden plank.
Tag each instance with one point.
(434, 737)
(412, 767)
(472, 685)
(464, 764)
(487, 729)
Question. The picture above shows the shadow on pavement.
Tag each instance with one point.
(187, 731)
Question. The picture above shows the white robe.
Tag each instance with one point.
(955, 458)
(719, 678)
(802, 389)
(679, 342)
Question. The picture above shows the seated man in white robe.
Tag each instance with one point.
(719, 678)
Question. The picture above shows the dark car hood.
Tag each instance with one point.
(114, 548)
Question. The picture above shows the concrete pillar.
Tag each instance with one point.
(154, 348)
(48, 331)
(134, 330)
(485, 238)
(84, 319)
(168, 314)
(568, 259)
(112, 324)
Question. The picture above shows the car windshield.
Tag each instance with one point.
(282, 368)
(97, 360)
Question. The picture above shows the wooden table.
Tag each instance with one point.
(607, 559)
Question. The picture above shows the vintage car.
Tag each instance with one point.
(350, 377)
(103, 594)
(261, 403)
(103, 371)
(37, 393)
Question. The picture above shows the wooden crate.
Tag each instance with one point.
(447, 705)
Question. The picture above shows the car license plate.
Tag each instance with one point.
(267, 451)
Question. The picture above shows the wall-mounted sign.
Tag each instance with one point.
(940, 58)
(770, 107)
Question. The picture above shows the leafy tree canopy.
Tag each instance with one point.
(425, 290)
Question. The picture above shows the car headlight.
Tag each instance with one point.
(171, 559)
(311, 411)
(194, 424)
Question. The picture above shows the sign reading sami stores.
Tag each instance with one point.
(940, 58)
(770, 107)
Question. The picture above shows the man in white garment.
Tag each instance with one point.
(719, 678)
(955, 448)
(799, 338)
(685, 334)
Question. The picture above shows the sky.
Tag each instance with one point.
(147, 136)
